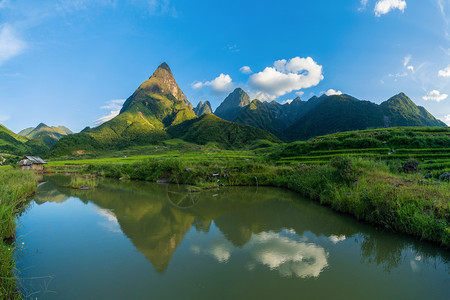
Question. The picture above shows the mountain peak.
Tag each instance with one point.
(41, 125)
(165, 66)
(203, 108)
(162, 83)
(233, 104)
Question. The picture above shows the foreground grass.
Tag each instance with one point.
(15, 186)
(365, 188)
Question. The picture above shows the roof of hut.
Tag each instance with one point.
(29, 160)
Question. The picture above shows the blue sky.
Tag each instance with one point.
(72, 62)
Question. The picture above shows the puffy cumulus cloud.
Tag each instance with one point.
(445, 72)
(383, 7)
(288, 256)
(287, 76)
(281, 252)
(332, 92)
(435, 95)
(218, 247)
(246, 70)
(336, 239)
(10, 44)
(220, 85)
(114, 107)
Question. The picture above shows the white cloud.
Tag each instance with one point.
(363, 5)
(246, 70)
(383, 7)
(406, 60)
(445, 72)
(435, 95)
(332, 92)
(286, 101)
(446, 120)
(336, 239)
(300, 93)
(114, 107)
(220, 85)
(289, 257)
(10, 44)
(406, 64)
(287, 76)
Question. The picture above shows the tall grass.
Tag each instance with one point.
(15, 186)
(77, 182)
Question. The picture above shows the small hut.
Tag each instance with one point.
(32, 163)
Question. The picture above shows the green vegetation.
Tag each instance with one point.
(203, 108)
(15, 186)
(370, 190)
(83, 182)
(352, 172)
(211, 129)
(45, 135)
(341, 113)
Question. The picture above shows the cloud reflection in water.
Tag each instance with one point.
(276, 251)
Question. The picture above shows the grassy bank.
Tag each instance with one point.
(15, 186)
(370, 190)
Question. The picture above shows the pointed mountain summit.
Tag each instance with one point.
(162, 83)
(155, 105)
(232, 105)
(400, 110)
(203, 108)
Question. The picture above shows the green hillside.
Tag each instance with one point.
(340, 113)
(210, 128)
(401, 111)
(10, 142)
(263, 115)
(48, 135)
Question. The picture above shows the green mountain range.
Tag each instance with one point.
(158, 110)
(48, 135)
(300, 120)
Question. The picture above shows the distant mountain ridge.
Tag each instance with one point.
(300, 120)
(159, 110)
(49, 135)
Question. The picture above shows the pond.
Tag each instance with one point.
(139, 240)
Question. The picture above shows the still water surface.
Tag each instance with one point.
(138, 240)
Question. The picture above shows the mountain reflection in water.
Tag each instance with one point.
(268, 223)
(199, 241)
